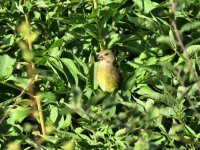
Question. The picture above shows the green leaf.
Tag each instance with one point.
(167, 40)
(93, 76)
(28, 5)
(82, 64)
(190, 26)
(69, 145)
(193, 49)
(128, 82)
(52, 139)
(69, 37)
(48, 96)
(7, 41)
(58, 69)
(19, 7)
(144, 22)
(120, 14)
(79, 130)
(72, 69)
(106, 13)
(18, 81)
(112, 112)
(190, 130)
(57, 43)
(65, 121)
(92, 31)
(148, 92)
(53, 113)
(120, 132)
(18, 114)
(114, 39)
(7, 66)
(41, 3)
(167, 111)
(145, 6)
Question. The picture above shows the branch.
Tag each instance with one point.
(178, 37)
(16, 100)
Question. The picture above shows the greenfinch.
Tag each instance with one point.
(108, 75)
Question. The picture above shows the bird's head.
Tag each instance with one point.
(106, 56)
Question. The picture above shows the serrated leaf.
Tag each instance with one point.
(120, 132)
(147, 91)
(167, 111)
(145, 5)
(190, 26)
(193, 49)
(167, 40)
(144, 22)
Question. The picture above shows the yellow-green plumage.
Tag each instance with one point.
(108, 75)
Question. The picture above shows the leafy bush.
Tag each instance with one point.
(48, 51)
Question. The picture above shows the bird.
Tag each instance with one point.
(108, 75)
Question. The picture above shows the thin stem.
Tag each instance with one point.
(95, 3)
(16, 100)
(185, 54)
(178, 37)
(30, 73)
(38, 100)
(180, 42)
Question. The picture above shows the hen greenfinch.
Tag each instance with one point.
(108, 75)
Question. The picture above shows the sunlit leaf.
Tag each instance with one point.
(19, 114)
(190, 26)
(145, 6)
(7, 66)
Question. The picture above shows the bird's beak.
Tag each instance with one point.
(100, 58)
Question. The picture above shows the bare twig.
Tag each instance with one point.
(178, 37)
(185, 53)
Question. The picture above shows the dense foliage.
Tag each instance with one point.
(48, 51)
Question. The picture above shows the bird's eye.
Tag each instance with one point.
(106, 54)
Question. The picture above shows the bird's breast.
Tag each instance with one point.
(107, 77)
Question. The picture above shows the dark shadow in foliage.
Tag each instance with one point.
(167, 123)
